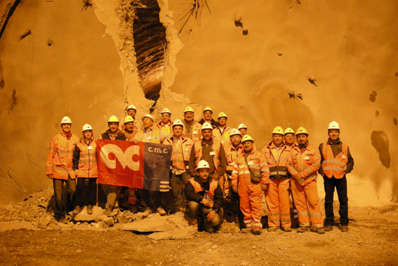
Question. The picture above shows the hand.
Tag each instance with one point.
(50, 176)
(301, 181)
(205, 202)
(235, 187)
(210, 216)
(263, 187)
(215, 177)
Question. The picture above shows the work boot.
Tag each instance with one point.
(328, 228)
(133, 208)
(344, 228)
(192, 221)
(320, 230)
(287, 229)
(161, 211)
(89, 209)
(146, 212)
(108, 212)
(77, 210)
(246, 230)
(272, 229)
(303, 229)
(256, 231)
(63, 220)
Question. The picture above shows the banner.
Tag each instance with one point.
(141, 165)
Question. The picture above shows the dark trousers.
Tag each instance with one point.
(149, 196)
(85, 196)
(63, 199)
(341, 186)
(176, 182)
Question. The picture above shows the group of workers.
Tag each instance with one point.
(212, 163)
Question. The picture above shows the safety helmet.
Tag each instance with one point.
(165, 110)
(86, 127)
(208, 108)
(131, 107)
(113, 118)
(202, 165)
(222, 114)
(278, 130)
(128, 119)
(242, 126)
(301, 130)
(149, 116)
(334, 125)
(234, 131)
(66, 120)
(246, 138)
(178, 123)
(207, 125)
(289, 131)
(189, 109)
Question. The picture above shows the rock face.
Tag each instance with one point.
(264, 63)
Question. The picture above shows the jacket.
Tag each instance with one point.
(336, 159)
(279, 166)
(195, 190)
(85, 159)
(117, 136)
(307, 162)
(186, 146)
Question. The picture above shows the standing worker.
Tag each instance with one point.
(242, 129)
(279, 161)
(132, 111)
(336, 162)
(207, 117)
(60, 168)
(306, 161)
(165, 123)
(85, 167)
(192, 128)
(250, 178)
(221, 132)
(288, 137)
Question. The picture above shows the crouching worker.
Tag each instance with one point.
(85, 166)
(205, 198)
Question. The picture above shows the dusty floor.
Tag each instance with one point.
(372, 240)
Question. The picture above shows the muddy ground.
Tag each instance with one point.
(26, 240)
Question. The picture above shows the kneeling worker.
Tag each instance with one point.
(205, 198)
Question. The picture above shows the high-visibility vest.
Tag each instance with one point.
(256, 161)
(208, 194)
(216, 148)
(154, 138)
(334, 166)
(308, 162)
(278, 168)
(186, 146)
(222, 137)
(87, 160)
(196, 131)
(166, 128)
(232, 155)
(60, 156)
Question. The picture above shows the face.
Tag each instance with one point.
(222, 121)
(87, 134)
(113, 127)
(207, 115)
(302, 139)
(129, 126)
(188, 116)
(289, 139)
(131, 113)
(334, 134)
(277, 139)
(235, 140)
(248, 146)
(165, 118)
(66, 127)
(204, 174)
(243, 131)
(147, 122)
(177, 131)
(207, 134)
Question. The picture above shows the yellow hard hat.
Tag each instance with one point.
(289, 131)
(189, 109)
(128, 119)
(222, 114)
(178, 123)
(301, 130)
(165, 110)
(149, 116)
(202, 165)
(246, 138)
(278, 130)
(234, 131)
(131, 107)
(114, 119)
(242, 126)
(207, 125)
(86, 127)
(66, 120)
(334, 125)
(208, 108)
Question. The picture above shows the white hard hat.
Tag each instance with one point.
(114, 119)
(208, 108)
(165, 110)
(242, 126)
(278, 130)
(131, 107)
(289, 131)
(246, 138)
(206, 125)
(334, 125)
(149, 116)
(234, 131)
(189, 109)
(128, 119)
(66, 120)
(203, 164)
(178, 123)
(87, 127)
(222, 114)
(301, 130)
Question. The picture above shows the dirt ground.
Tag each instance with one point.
(26, 240)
